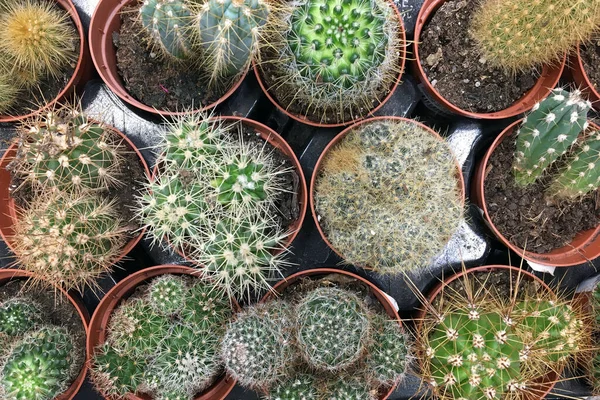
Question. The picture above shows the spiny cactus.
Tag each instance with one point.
(39, 366)
(170, 24)
(168, 294)
(519, 35)
(300, 387)
(548, 132)
(349, 389)
(115, 373)
(388, 354)
(206, 308)
(64, 149)
(18, 316)
(595, 362)
(8, 92)
(37, 40)
(173, 395)
(256, 346)
(69, 240)
(333, 328)
(388, 197)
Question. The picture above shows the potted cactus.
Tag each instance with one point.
(229, 195)
(171, 56)
(594, 362)
(497, 332)
(387, 195)
(67, 185)
(42, 331)
(330, 63)
(331, 335)
(42, 49)
(495, 60)
(537, 183)
(156, 335)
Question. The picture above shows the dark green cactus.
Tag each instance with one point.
(349, 389)
(169, 23)
(206, 308)
(388, 352)
(548, 132)
(115, 373)
(173, 395)
(167, 294)
(299, 387)
(18, 316)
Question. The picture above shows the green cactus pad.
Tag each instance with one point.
(168, 294)
(548, 132)
(388, 353)
(169, 23)
(300, 387)
(206, 309)
(116, 373)
(18, 316)
(349, 389)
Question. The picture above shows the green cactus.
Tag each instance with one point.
(548, 132)
(595, 363)
(115, 373)
(256, 347)
(9, 92)
(519, 35)
(69, 240)
(167, 294)
(18, 316)
(581, 174)
(349, 389)
(388, 353)
(39, 366)
(387, 196)
(170, 25)
(173, 395)
(64, 149)
(300, 387)
(206, 308)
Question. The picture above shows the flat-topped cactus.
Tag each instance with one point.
(170, 24)
(18, 316)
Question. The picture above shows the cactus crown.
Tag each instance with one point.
(168, 294)
(18, 316)
(382, 208)
(519, 35)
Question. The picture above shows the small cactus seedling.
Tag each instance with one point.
(300, 387)
(37, 39)
(168, 294)
(115, 373)
(519, 35)
(349, 389)
(69, 240)
(333, 328)
(18, 316)
(170, 24)
(388, 354)
(548, 132)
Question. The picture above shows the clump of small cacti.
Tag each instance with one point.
(330, 58)
(387, 196)
(519, 35)
(169, 352)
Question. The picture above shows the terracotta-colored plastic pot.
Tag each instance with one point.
(97, 331)
(81, 68)
(584, 247)
(303, 119)
(581, 77)
(106, 20)
(383, 298)
(547, 81)
(542, 386)
(8, 208)
(275, 140)
(336, 140)
(11, 274)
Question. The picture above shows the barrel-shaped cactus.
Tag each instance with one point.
(170, 24)
(167, 294)
(18, 316)
(297, 387)
(116, 373)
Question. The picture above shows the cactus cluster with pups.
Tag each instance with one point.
(387, 196)
(214, 199)
(327, 343)
(164, 342)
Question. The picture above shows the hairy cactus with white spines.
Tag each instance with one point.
(18, 316)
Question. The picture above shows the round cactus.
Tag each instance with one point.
(332, 328)
(349, 389)
(69, 240)
(167, 294)
(173, 395)
(206, 309)
(38, 38)
(300, 387)
(39, 366)
(170, 24)
(256, 346)
(388, 354)
(115, 373)
(18, 316)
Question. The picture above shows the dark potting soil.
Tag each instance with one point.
(590, 55)
(523, 215)
(456, 68)
(157, 81)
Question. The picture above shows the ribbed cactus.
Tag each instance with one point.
(38, 39)
(519, 35)
(349, 389)
(333, 328)
(206, 308)
(39, 366)
(581, 174)
(167, 294)
(388, 196)
(548, 132)
(388, 353)
(115, 373)
(300, 387)
(18, 316)
(257, 345)
(170, 24)
(69, 240)
(64, 149)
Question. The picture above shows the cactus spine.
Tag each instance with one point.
(169, 23)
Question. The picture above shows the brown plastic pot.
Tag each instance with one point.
(275, 140)
(543, 385)
(125, 288)
(336, 140)
(82, 68)
(547, 81)
(584, 247)
(581, 77)
(106, 20)
(390, 309)
(303, 119)
(8, 208)
(11, 274)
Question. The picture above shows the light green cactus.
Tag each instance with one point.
(170, 24)
(167, 294)
(115, 373)
(18, 316)
(298, 387)
(548, 132)
(389, 356)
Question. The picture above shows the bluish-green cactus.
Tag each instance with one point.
(170, 24)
